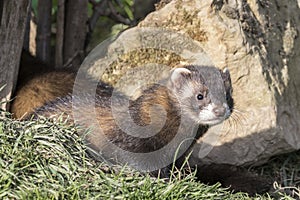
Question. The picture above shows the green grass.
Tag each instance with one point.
(43, 160)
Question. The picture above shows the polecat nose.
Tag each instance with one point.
(219, 111)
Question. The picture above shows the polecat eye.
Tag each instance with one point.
(200, 97)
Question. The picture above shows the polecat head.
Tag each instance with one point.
(204, 93)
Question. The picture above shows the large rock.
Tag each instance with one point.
(257, 41)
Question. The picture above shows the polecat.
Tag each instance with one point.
(190, 97)
(164, 121)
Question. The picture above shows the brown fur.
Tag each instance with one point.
(38, 84)
(40, 90)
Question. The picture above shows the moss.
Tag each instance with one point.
(137, 58)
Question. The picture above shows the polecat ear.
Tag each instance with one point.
(226, 78)
(228, 86)
(177, 76)
(225, 75)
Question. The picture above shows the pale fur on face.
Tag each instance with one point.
(208, 116)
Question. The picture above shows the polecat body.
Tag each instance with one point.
(165, 120)
(172, 110)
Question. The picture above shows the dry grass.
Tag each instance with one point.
(285, 169)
